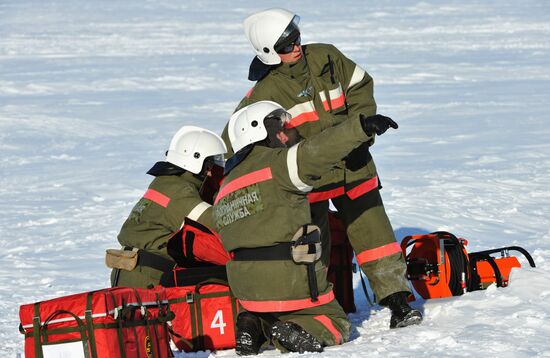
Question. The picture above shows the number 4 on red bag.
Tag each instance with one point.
(218, 322)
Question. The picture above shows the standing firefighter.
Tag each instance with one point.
(263, 216)
(171, 197)
(321, 88)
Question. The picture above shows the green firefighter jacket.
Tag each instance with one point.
(157, 216)
(322, 89)
(263, 201)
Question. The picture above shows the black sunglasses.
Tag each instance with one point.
(289, 47)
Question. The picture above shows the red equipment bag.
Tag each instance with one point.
(438, 265)
(195, 245)
(118, 322)
(341, 267)
(206, 315)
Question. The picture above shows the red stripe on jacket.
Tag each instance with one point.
(157, 197)
(241, 182)
(302, 118)
(338, 102)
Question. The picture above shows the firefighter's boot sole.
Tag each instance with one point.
(249, 337)
(409, 319)
(294, 338)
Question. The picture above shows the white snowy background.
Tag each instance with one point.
(92, 91)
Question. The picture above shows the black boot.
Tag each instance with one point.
(294, 338)
(249, 337)
(402, 315)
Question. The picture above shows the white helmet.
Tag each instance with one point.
(265, 28)
(191, 145)
(247, 126)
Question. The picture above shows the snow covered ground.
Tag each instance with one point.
(92, 91)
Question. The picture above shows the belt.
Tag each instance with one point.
(282, 251)
(146, 258)
(267, 253)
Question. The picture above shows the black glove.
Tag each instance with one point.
(376, 124)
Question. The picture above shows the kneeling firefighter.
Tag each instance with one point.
(263, 216)
(171, 197)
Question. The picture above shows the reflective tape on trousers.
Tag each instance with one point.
(378, 253)
(286, 305)
(327, 322)
(353, 194)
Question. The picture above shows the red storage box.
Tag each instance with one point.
(117, 322)
(205, 316)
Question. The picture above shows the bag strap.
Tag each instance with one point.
(234, 310)
(118, 319)
(188, 242)
(90, 324)
(145, 317)
(180, 338)
(364, 285)
(155, 329)
(136, 339)
(200, 331)
(36, 331)
(190, 299)
(164, 315)
(165, 325)
(40, 330)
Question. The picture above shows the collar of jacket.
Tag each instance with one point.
(194, 179)
(248, 151)
(237, 158)
(297, 69)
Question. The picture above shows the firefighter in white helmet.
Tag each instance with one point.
(171, 197)
(263, 217)
(320, 88)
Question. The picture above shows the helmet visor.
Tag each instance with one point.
(214, 160)
(218, 160)
(289, 37)
(279, 116)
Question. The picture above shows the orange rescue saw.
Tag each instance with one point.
(438, 265)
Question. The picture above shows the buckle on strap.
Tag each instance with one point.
(306, 245)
